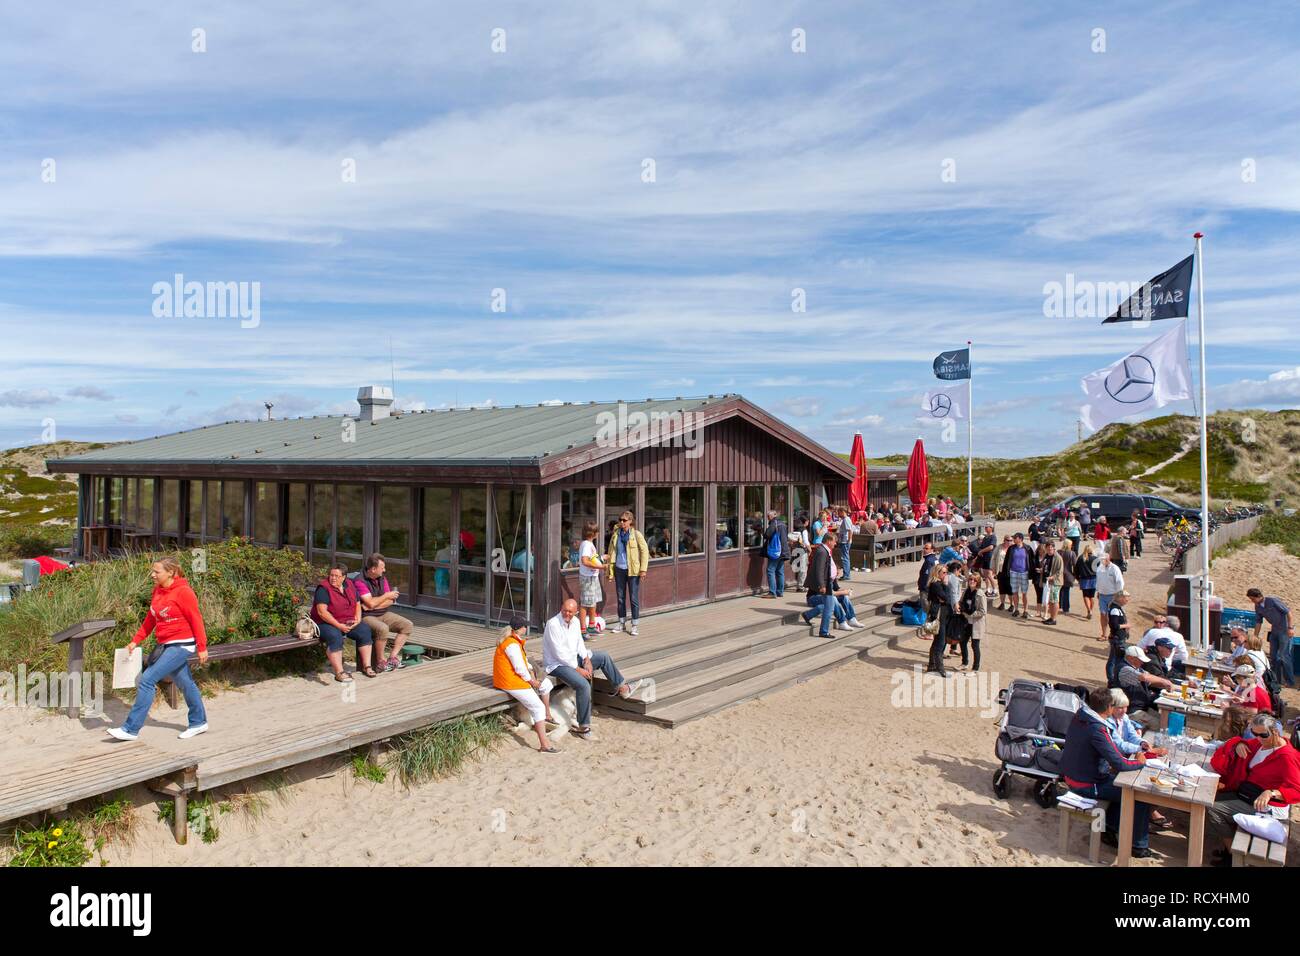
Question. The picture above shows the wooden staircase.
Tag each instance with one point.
(701, 676)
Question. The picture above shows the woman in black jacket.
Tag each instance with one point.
(940, 607)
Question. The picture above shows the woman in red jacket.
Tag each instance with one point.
(178, 626)
(1265, 771)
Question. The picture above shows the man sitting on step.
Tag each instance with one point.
(566, 658)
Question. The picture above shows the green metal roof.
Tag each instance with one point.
(492, 435)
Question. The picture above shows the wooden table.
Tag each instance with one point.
(94, 541)
(1136, 785)
(1202, 718)
(1223, 666)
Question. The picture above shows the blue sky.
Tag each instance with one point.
(522, 170)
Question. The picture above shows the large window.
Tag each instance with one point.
(212, 510)
(473, 528)
(435, 543)
(322, 521)
(232, 509)
(351, 524)
(510, 521)
(144, 496)
(617, 500)
(800, 502)
(754, 518)
(577, 507)
(780, 501)
(266, 513)
(295, 525)
(659, 521)
(727, 527)
(171, 506)
(690, 519)
(115, 513)
(193, 512)
(395, 536)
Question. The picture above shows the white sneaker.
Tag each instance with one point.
(121, 734)
(193, 732)
(633, 631)
(856, 624)
(615, 628)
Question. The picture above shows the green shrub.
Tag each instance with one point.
(59, 844)
(32, 540)
(365, 769)
(246, 592)
(200, 816)
(441, 750)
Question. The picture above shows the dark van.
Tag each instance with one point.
(1119, 508)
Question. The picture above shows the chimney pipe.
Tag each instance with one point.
(374, 401)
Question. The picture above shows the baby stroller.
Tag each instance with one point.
(1031, 733)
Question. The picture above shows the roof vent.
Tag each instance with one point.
(375, 401)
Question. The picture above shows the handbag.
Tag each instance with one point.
(1249, 791)
(306, 629)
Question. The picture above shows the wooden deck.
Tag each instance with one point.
(702, 659)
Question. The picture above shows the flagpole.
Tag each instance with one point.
(970, 415)
(1205, 454)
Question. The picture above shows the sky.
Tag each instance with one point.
(516, 203)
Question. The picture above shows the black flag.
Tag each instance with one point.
(952, 365)
(1164, 297)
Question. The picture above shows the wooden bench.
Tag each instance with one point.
(1068, 815)
(1248, 850)
(258, 646)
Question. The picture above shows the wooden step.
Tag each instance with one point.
(794, 669)
(681, 685)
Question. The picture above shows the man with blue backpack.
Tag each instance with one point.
(776, 545)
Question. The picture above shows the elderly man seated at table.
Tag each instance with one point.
(566, 658)
(1162, 653)
(1128, 738)
(1165, 626)
(1090, 761)
(1141, 686)
(1257, 775)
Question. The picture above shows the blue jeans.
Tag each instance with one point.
(333, 638)
(844, 610)
(776, 576)
(824, 604)
(844, 560)
(1065, 598)
(1114, 661)
(1279, 653)
(600, 661)
(1141, 811)
(174, 662)
(627, 588)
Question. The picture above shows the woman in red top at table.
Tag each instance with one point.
(177, 625)
(1271, 780)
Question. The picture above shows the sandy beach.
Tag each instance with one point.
(831, 771)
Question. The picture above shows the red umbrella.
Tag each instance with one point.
(858, 490)
(918, 480)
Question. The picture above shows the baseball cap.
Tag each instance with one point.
(1134, 651)
(1164, 642)
(1245, 670)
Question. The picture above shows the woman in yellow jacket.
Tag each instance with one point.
(628, 558)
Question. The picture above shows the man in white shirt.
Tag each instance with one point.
(1166, 626)
(1110, 581)
(566, 658)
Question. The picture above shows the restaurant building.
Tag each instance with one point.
(477, 511)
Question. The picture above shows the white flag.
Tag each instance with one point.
(942, 404)
(1151, 377)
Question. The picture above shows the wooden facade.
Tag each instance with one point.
(462, 541)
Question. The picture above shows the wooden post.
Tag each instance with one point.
(75, 637)
(76, 655)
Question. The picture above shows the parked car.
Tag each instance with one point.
(1117, 508)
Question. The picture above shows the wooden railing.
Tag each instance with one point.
(890, 547)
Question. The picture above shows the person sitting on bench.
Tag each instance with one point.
(337, 612)
(1264, 773)
(377, 598)
(1141, 686)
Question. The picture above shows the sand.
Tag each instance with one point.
(831, 771)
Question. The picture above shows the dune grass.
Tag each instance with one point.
(432, 753)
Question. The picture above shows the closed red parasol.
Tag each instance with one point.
(918, 480)
(858, 490)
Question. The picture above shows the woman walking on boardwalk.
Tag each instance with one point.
(175, 620)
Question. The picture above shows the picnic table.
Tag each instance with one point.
(1191, 796)
(1199, 717)
(1215, 666)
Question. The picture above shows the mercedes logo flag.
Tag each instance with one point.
(1164, 297)
(941, 404)
(1151, 377)
(952, 365)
